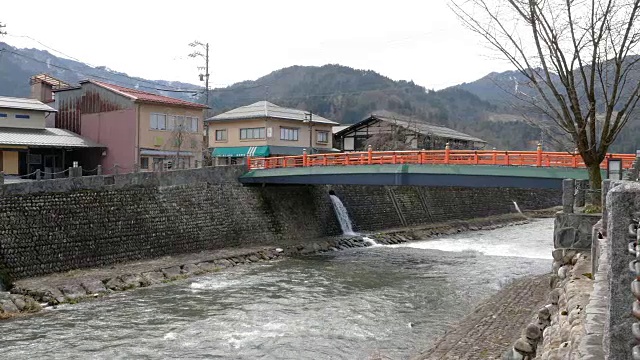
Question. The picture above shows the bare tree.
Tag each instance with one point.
(579, 57)
(182, 138)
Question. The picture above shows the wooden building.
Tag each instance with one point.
(385, 130)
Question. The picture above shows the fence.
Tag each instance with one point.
(445, 157)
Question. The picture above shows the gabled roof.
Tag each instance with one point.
(143, 96)
(24, 104)
(265, 109)
(47, 137)
(412, 123)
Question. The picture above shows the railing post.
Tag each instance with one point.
(304, 157)
(575, 158)
(369, 155)
(539, 155)
(494, 157)
(447, 153)
(38, 175)
(475, 157)
(506, 158)
(422, 155)
(99, 170)
(395, 158)
(115, 168)
(249, 163)
(324, 160)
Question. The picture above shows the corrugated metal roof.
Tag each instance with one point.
(143, 96)
(415, 124)
(47, 137)
(263, 109)
(24, 104)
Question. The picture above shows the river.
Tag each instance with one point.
(384, 301)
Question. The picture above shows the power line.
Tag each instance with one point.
(101, 77)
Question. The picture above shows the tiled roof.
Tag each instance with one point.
(414, 124)
(263, 109)
(143, 96)
(24, 104)
(47, 137)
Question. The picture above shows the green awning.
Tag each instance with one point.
(241, 151)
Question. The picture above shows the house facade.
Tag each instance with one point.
(27, 145)
(141, 130)
(265, 129)
(386, 130)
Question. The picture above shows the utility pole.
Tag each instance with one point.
(203, 77)
(308, 117)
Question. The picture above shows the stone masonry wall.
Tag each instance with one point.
(59, 225)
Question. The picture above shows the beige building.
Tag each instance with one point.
(265, 129)
(28, 146)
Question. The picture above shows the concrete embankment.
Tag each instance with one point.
(27, 295)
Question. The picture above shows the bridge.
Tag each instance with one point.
(464, 168)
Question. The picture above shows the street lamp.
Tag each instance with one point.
(308, 118)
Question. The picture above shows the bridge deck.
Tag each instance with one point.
(426, 175)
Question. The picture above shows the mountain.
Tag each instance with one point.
(480, 108)
(18, 65)
(500, 89)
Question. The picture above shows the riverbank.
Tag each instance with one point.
(493, 325)
(29, 295)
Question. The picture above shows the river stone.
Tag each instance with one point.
(19, 302)
(264, 256)
(171, 272)
(132, 281)
(554, 296)
(523, 346)
(8, 306)
(512, 354)
(532, 332)
(207, 266)
(115, 284)
(557, 254)
(73, 291)
(93, 286)
(223, 263)
(563, 272)
(568, 255)
(49, 295)
(191, 269)
(544, 313)
(153, 277)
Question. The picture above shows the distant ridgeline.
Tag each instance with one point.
(336, 92)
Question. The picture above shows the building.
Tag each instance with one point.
(27, 145)
(140, 129)
(385, 130)
(265, 129)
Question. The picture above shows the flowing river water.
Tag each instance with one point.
(385, 301)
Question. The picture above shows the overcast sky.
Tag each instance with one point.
(403, 39)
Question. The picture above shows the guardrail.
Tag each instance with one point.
(446, 157)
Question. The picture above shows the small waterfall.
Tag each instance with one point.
(342, 215)
(517, 207)
(370, 241)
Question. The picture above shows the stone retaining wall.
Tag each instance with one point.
(64, 224)
(558, 329)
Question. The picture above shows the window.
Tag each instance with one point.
(22, 116)
(3, 115)
(252, 133)
(221, 135)
(158, 122)
(192, 124)
(322, 136)
(144, 163)
(288, 134)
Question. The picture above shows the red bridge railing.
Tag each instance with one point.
(446, 157)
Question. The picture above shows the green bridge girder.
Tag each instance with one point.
(428, 175)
